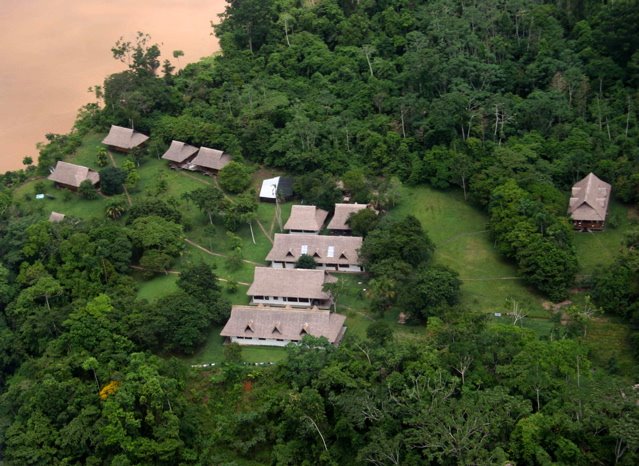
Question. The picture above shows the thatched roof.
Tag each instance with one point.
(589, 199)
(285, 324)
(179, 152)
(296, 283)
(56, 217)
(124, 138)
(342, 213)
(324, 249)
(211, 158)
(70, 174)
(306, 217)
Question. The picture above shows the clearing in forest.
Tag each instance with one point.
(462, 241)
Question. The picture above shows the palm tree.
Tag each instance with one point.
(115, 209)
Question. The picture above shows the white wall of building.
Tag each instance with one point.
(281, 301)
(258, 342)
(308, 232)
(332, 268)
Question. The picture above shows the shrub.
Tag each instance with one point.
(111, 181)
(235, 178)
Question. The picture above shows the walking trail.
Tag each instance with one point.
(176, 272)
(208, 251)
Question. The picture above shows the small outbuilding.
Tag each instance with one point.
(276, 188)
(210, 161)
(124, 139)
(70, 176)
(338, 225)
(56, 217)
(306, 219)
(268, 326)
(589, 203)
(292, 287)
(179, 154)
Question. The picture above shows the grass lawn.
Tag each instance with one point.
(601, 248)
(213, 351)
(462, 242)
(157, 287)
(607, 339)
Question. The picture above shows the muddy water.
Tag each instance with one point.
(52, 51)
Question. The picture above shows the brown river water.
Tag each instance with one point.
(52, 51)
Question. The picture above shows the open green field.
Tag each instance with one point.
(601, 248)
(462, 241)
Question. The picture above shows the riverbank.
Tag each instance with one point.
(59, 49)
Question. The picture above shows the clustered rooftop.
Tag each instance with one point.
(302, 292)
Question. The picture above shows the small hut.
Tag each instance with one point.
(306, 219)
(179, 154)
(588, 206)
(210, 161)
(56, 217)
(70, 176)
(279, 187)
(338, 224)
(123, 139)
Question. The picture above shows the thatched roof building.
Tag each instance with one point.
(210, 160)
(69, 175)
(342, 213)
(295, 287)
(305, 219)
(589, 200)
(124, 139)
(339, 253)
(179, 152)
(261, 325)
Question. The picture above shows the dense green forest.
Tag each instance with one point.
(505, 103)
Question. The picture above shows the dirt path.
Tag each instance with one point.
(175, 272)
(126, 191)
(217, 254)
(259, 224)
(489, 279)
(182, 172)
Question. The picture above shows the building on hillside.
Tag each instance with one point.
(278, 188)
(262, 325)
(293, 287)
(70, 176)
(56, 217)
(338, 225)
(589, 203)
(305, 219)
(332, 253)
(210, 161)
(179, 154)
(123, 139)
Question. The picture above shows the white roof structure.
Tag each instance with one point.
(269, 187)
